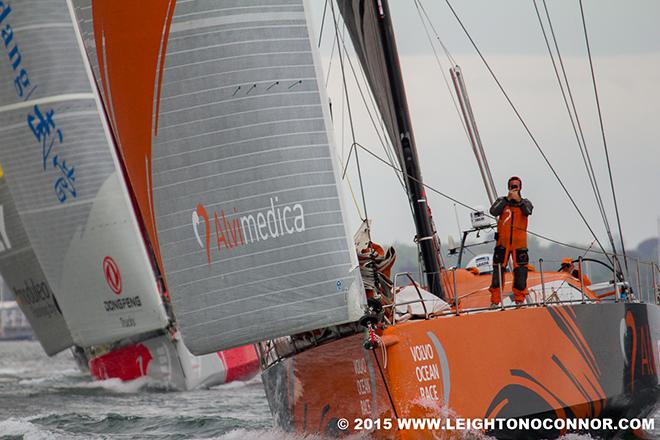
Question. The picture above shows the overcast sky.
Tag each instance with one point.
(625, 42)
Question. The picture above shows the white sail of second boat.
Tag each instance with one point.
(22, 273)
(65, 179)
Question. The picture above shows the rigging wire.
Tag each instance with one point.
(602, 132)
(575, 121)
(332, 54)
(350, 115)
(599, 198)
(435, 32)
(437, 59)
(471, 208)
(386, 146)
(341, 158)
(527, 129)
(374, 106)
(343, 131)
(355, 200)
(325, 9)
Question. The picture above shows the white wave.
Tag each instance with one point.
(119, 386)
(238, 384)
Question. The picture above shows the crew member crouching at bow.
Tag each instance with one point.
(512, 212)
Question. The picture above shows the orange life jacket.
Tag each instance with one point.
(512, 228)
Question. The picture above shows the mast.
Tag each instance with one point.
(426, 234)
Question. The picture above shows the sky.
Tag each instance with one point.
(625, 43)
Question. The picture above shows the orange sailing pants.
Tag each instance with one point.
(520, 260)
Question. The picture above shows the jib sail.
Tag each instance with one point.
(64, 177)
(223, 126)
(23, 275)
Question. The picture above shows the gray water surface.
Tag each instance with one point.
(49, 398)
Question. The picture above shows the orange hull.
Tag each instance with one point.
(586, 360)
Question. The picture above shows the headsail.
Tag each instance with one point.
(65, 178)
(22, 273)
(238, 175)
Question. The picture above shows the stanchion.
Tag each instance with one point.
(616, 288)
(455, 294)
(542, 282)
(499, 276)
(581, 278)
(639, 282)
(654, 267)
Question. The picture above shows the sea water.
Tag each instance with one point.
(49, 398)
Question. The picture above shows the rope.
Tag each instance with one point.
(350, 115)
(437, 36)
(384, 144)
(325, 9)
(332, 54)
(387, 387)
(527, 129)
(442, 70)
(602, 132)
(383, 349)
(341, 158)
(390, 154)
(357, 205)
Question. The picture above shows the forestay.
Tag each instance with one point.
(23, 275)
(223, 125)
(64, 177)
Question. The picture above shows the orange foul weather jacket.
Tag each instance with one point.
(511, 241)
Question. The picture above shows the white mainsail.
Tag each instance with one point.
(220, 115)
(23, 275)
(65, 178)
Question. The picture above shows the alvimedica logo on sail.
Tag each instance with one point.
(271, 223)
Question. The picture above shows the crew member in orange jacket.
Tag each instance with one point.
(567, 266)
(512, 212)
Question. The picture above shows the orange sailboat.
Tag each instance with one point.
(230, 153)
(568, 352)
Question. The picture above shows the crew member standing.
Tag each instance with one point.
(512, 212)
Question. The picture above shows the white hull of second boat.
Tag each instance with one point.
(165, 361)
